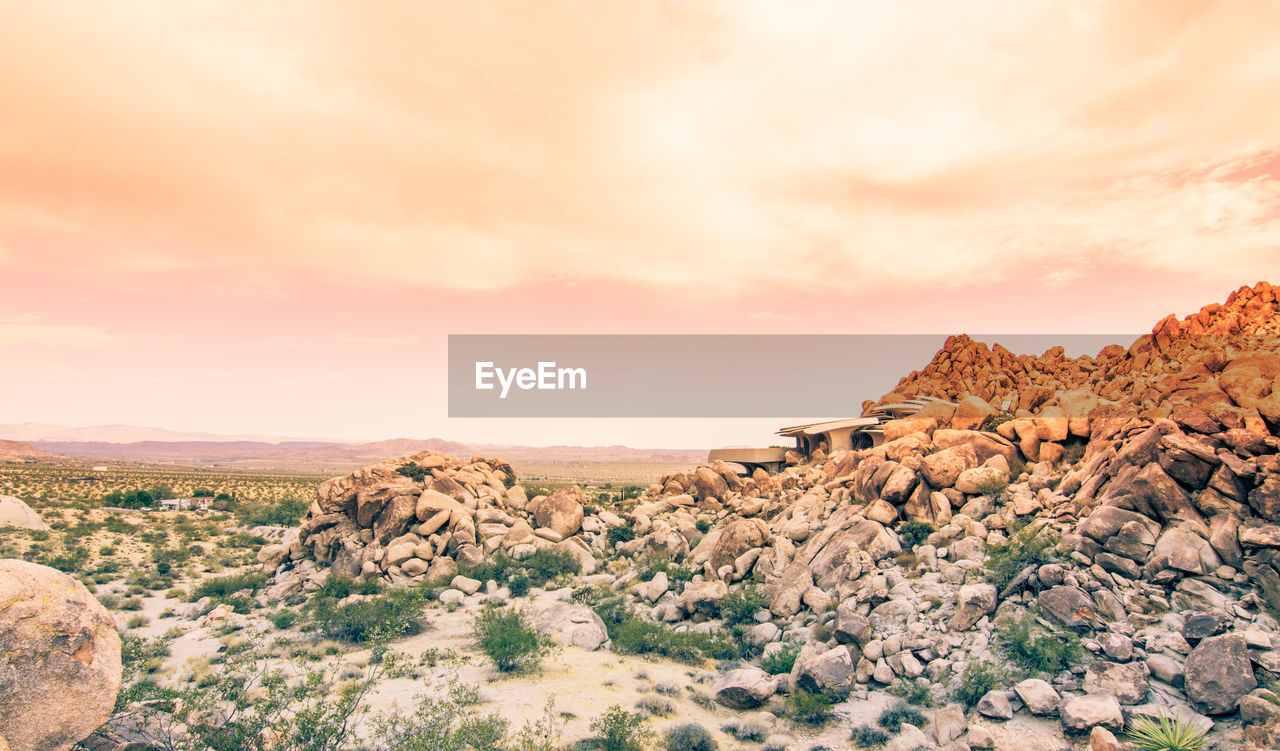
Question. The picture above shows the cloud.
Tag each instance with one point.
(30, 330)
(726, 149)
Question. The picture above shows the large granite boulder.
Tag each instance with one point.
(59, 659)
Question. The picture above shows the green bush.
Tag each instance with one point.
(913, 532)
(651, 565)
(1036, 650)
(637, 636)
(390, 615)
(894, 716)
(809, 708)
(620, 730)
(621, 533)
(912, 691)
(519, 585)
(545, 564)
(1165, 733)
(70, 561)
(865, 736)
(742, 605)
(1031, 546)
(220, 588)
(286, 513)
(992, 486)
(283, 619)
(780, 661)
(414, 471)
(992, 422)
(977, 679)
(507, 638)
(702, 525)
(689, 737)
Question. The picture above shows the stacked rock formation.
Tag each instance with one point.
(420, 516)
(1156, 467)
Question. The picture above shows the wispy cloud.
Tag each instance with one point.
(728, 148)
(30, 330)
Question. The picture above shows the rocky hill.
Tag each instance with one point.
(11, 450)
(1106, 549)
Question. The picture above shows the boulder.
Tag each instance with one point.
(745, 688)
(561, 512)
(739, 536)
(941, 468)
(829, 672)
(980, 480)
(59, 659)
(1217, 673)
(573, 625)
(1038, 696)
(972, 603)
(15, 513)
(1127, 683)
(1080, 714)
(786, 595)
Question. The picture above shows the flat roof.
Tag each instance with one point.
(815, 428)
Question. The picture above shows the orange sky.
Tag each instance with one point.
(266, 217)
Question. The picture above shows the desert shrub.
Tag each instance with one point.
(913, 532)
(752, 731)
(702, 525)
(742, 605)
(913, 691)
(1165, 733)
(620, 730)
(519, 585)
(545, 564)
(414, 471)
(993, 486)
(656, 706)
(137, 621)
(283, 619)
(992, 422)
(1031, 546)
(390, 615)
(70, 561)
(689, 737)
(780, 661)
(202, 493)
(339, 587)
(637, 636)
(286, 513)
(220, 588)
(650, 565)
(621, 533)
(507, 638)
(1034, 649)
(865, 736)
(892, 717)
(977, 679)
(809, 708)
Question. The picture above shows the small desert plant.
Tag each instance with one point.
(913, 691)
(1031, 546)
(689, 737)
(283, 619)
(621, 533)
(993, 485)
(649, 566)
(545, 564)
(519, 585)
(894, 716)
(753, 731)
(977, 679)
(1036, 650)
(220, 588)
(387, 616)
(657, 706)
(865, 736)
(992, 422)
(780, 661)
(914, 532)
(620, 730)
(138, 621)
(1165, 733)
(742, 605)
(505, 635)
(702, 525)
(809, 708)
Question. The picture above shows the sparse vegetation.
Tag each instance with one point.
(809, 708)
(1030, 546)
(865, 736)
(689, 737)
(893, 717)
(1167, 733)
(913, 532)
(780, 661)
(977, 679)
(740, 606)
(619, 730)
(1035, 649)
(506, 637)
(913, 691)
(389, 615)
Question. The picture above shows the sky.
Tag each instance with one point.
(266, 217)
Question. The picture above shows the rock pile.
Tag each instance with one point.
(419, 517)
(1154, 471)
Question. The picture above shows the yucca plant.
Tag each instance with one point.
(1165, 733)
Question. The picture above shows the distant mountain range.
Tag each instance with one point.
(10, 450)
(165, 446)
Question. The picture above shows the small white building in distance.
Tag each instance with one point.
(176, 504)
